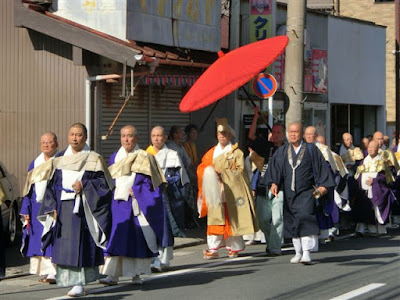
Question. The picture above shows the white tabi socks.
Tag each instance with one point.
(297, 247)
(302, 246)
(306, 259)
(76, 291)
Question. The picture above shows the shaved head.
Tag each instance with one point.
(347, 140)
(378, 137)
(310, 134)
(373, 148)
(295, 132)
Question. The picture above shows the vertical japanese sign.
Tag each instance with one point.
(260, 20)
(262, 23)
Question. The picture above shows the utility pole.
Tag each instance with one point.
(397, 66)
(294, 59)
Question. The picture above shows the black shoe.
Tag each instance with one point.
(272, 254)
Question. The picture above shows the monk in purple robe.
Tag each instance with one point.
(137, 211)
(76, 212)
(374, 196)
(40, 262)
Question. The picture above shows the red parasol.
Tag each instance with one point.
(231, 71)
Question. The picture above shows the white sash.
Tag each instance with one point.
(124, 184)
(40, 186)
(69, 178)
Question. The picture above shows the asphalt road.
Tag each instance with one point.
(350, 268)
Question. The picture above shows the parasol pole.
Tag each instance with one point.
(254, 105)
(209, 115)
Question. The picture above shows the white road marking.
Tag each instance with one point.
(360, 291)
(182, 253)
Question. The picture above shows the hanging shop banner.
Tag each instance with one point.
(170, 80)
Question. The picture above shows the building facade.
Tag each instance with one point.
(381, 12)
(57, 72)
(337, 94)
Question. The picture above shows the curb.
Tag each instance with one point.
(190, 244)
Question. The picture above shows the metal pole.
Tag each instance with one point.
(294, 59)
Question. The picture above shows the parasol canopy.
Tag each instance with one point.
(230, 71)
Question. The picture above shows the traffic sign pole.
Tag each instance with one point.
(270, 111)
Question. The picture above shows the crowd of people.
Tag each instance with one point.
(84, 220)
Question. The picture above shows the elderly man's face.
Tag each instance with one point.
(48, 145)
(158, 138)
(128, 139)
(294, 133)
(224, 138)
(378, 137)
(373, 148)
(76, 138)
(347, 140)
(310, 135)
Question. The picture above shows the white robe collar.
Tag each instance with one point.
(218, 149)
(121, 154)
(68, 151)
(168, 158)
(70, 177)
(40, 187)
(123, 184)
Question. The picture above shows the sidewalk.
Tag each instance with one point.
(195, 236)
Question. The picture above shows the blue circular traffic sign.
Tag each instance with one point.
(264, 85)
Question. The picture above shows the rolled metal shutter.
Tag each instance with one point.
(150, 106)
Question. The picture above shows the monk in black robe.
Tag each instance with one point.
(299, 169)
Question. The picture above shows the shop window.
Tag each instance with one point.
(359, 120)
(315, 115)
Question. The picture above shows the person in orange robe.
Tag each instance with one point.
(225, 195)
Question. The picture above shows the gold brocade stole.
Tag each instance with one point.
(40, 173)
(397, 155)
(351, 155)
(389, 157)
(140, 162)
(375, 166)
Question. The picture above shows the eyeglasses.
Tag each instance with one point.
(47, 143)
